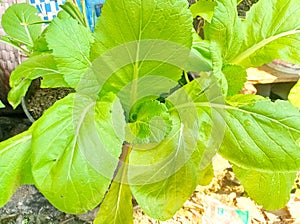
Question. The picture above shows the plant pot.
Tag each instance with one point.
(286, 67)
(38, 100)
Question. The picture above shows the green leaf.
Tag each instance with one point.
(148, 122)
(256, 41)
(14, 158)
(34, 67)
(13, 43)
(20, 22)
(17, 92)
(236, 77)
(41, 45)
(70, 43)
(117, 205)
(129, 47)
(262, 140)
(294, 95)
(164, 175)
(75, 153)
(162, 199)
(263, 132)
(199, 59)
(269, 38)
(225, 32)
(204, 95)
(1, 105)
(204, 9)
(270, 189)
(74, 12)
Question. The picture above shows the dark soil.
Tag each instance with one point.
(41, 99)
(11, 126)
(29, 206)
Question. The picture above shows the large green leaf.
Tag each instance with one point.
(117, 205)
(14, 158)
(270, 189)
(148, 38)
(70, 43)
(271, 37)
(257, 41)
(20, 22)
(75, 153)
(34, 67)
(261, 141)
(162, 199)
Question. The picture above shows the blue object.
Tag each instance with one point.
(48, 9)
(93, 10)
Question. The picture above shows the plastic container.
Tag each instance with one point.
(286, 67)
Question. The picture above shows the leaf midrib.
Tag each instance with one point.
(251, 50)
(228, 107)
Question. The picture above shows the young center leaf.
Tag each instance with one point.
(148, 38)
(75, 153)
(148, 122)
(21, 23)
(14, 162)
(261, 141)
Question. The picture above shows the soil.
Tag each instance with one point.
(10, 126)
(29, 206)
(41, 99)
